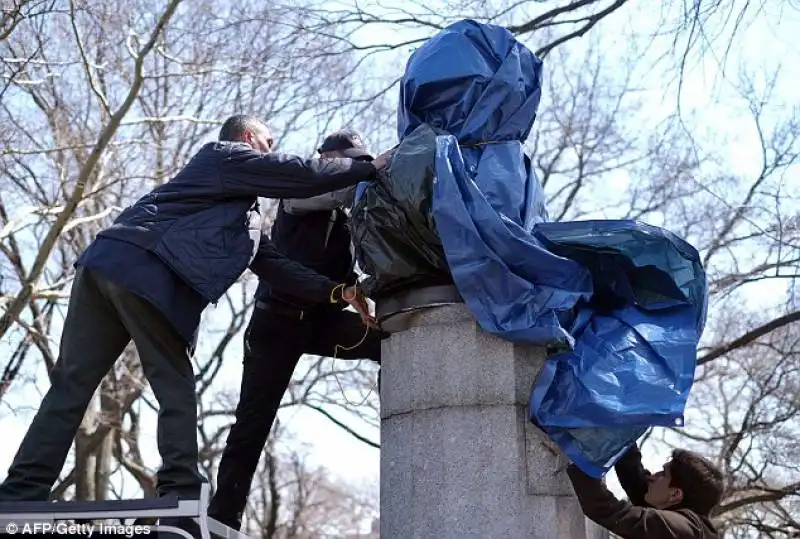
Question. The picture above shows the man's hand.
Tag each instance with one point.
(355, 297)
(382, 160)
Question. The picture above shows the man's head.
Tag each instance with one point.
(345, 143)
(247, 129)
(688, 480)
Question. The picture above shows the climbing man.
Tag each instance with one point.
(674, 503)
(148, 277)
(289, 321)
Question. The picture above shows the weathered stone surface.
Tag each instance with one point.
(459, 459)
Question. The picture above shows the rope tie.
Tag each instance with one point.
(483, 143)
(336, 348)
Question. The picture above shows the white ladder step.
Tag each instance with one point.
(21, 513)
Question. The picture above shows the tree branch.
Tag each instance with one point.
(749, 337)
(84, 176)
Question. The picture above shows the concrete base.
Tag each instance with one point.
(459, 458)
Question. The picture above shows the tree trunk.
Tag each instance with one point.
(102, 473)
(85, 456)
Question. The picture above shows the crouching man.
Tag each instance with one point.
(674, 503)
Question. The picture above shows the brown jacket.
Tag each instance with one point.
(635, 519)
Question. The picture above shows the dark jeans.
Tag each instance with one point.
(274, 342)
(101, 320)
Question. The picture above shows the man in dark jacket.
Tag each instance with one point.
(674, 503)
(289, 321)
(148, 278)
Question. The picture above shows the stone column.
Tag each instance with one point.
(459, 458)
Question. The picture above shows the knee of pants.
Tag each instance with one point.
(252, 426)
(70, 391)
(243, 444)
(260, 404)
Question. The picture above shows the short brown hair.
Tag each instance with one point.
(698, 478)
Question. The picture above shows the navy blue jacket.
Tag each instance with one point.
(276, 271)
(320, 241)
(204, 223)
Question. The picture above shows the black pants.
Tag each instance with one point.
(274, 342)
(101, 320)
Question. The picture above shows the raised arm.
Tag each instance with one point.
(633, 476)
(275, 175)
(325, 202)
(623, 518)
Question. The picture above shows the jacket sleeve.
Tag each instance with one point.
(633, 476)
(625, 519)
(284, 274)
(327, 201)
(247, 172)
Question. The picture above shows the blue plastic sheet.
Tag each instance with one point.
(622, 302)
(632, 365)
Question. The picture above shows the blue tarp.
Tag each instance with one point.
(624, 303)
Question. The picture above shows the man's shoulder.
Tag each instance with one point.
(237, 154)
(223, 150)
(705, 528)
(673, 523)
(204, 165)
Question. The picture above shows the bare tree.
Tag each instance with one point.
(92, 119)
(21, 10)
(293, 499)
(65, 71)
(743, 412)
(87, 170)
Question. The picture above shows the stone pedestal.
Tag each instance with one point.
(459, 458)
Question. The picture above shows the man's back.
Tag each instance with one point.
(202, 234)
(315, 232)
(205, 223)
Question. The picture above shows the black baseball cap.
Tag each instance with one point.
(347, 142)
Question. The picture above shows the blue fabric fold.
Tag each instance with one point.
(621, 304)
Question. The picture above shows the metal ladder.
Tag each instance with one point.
(18, 514)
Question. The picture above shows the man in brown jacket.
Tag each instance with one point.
(674, 503)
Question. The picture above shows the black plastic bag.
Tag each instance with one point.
(392, 225)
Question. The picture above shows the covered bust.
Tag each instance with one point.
(619, 304)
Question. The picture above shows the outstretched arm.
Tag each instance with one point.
(623, 518)
(247, 172)
(325, 202)
(633, 476)
(284, 274)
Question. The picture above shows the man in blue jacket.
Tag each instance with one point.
(289, 321)
(148, 278)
